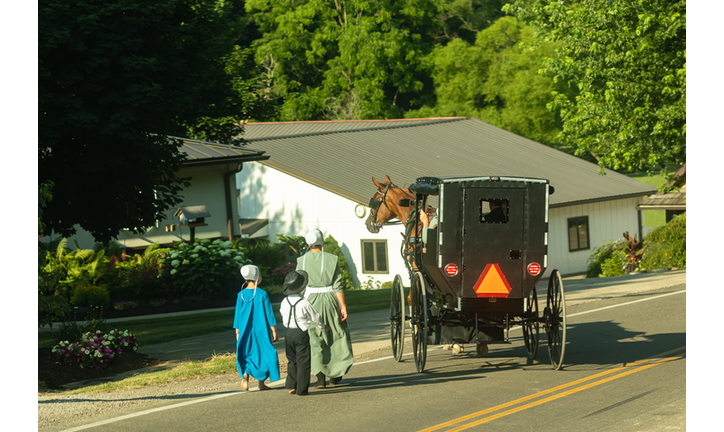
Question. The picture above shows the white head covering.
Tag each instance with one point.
(314, 238)
(250, 272)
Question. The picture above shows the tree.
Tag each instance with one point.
(345, 60)
(465, 18)
(115, 79)
(497, 80)
(627, 62)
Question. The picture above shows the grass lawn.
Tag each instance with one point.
(652, 218)
(160, 330)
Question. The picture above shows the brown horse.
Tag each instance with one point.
(385, 205)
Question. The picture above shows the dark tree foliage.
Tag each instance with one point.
(115, 78)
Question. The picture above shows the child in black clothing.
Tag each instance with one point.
(297, 315)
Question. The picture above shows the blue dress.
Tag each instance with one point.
(255, 354)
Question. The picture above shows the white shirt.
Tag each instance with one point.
(305, 313)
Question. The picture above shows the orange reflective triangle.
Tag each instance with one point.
(492, 283)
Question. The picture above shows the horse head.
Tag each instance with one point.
(385, 205)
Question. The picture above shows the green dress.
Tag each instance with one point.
(331, 350)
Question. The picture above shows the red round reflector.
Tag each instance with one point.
(451, 269)
(534, 269)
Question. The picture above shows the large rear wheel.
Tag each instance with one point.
(397, 317)
(555, 320)
(419, 321)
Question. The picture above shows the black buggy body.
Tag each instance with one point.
(475, 269)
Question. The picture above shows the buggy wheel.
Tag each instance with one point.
(419, 321)
(397, 317)
(555, 320)
(531, 325)
(482, 349)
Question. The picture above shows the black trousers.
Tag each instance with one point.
(296, 344)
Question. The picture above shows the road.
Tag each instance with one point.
(624, 369)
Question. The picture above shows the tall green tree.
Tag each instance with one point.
(627, 62)
(465, 18)
(497, 80)
(115, 79)
(353, 59)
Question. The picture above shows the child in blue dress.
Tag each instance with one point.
(255, 331)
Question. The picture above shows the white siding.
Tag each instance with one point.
(607, 221)
(294, 206)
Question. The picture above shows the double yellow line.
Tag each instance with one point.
(625, 370)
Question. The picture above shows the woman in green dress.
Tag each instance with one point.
(331, 348)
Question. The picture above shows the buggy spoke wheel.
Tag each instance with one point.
(555, 320)
(419, 321)
(531, 326)
(397, 318)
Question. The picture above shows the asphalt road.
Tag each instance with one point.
(624, 370)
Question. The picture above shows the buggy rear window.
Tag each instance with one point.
(494, 210)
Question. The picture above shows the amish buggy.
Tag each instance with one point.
(474, 270)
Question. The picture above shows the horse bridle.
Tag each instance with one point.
(375, 204)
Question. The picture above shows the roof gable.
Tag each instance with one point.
(344, 156)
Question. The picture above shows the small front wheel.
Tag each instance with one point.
(419, 321)
(397, 318)
(531, 326)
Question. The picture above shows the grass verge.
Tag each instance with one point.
(220, 364)
(160, 330)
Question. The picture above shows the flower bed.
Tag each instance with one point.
(96, 350)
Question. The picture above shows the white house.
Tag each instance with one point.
(319, 175)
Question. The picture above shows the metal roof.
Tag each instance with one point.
(669, 201)
(343, 156)
(206, 153)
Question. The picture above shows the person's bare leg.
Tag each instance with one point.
(245, 383)
(263, 386)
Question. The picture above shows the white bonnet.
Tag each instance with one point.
(250, 272)
(314, 238)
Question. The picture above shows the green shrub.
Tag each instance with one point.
(614, 265)
(137, 277)
(665, 247)
(370, 284)
(611, 252)
(386, 285)
(206, 268)
(268, 257)
(90, 295)
(331, 246)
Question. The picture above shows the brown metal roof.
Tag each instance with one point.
(344, 156)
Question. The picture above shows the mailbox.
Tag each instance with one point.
(192, 216)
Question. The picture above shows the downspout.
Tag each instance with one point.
(227, 192)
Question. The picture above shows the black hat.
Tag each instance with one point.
(295, 282)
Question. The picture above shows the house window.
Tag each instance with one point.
(374, 256)
(578, 238)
